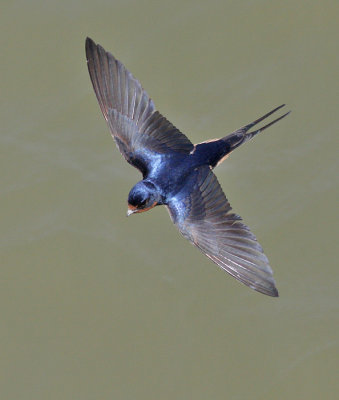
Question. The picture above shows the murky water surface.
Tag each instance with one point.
(97, 306)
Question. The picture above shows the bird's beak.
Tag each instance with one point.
(129, 212)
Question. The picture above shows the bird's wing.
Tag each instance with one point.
(137, 128)
(203, 215)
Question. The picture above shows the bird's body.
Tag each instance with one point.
(177, 173)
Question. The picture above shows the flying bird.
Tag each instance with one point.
(178, 174)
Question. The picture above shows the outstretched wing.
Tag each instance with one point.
(203, 215)
(137, 128)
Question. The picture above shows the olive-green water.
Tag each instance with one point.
(97, 306)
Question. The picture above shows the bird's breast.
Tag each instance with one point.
(170, 176)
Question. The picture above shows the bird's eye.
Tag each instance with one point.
(142, 203)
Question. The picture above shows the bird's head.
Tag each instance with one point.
(142, 197)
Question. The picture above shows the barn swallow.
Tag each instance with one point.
(177, 173)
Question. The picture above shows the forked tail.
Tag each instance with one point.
(215, 151)
(242, 135)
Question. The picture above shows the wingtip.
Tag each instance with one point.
(271, 291)
(88, 44)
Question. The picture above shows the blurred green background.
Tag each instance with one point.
(97, 306)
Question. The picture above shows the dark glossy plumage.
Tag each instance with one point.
(177, 173)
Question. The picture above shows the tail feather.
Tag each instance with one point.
(217, 150)
(241, 135)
